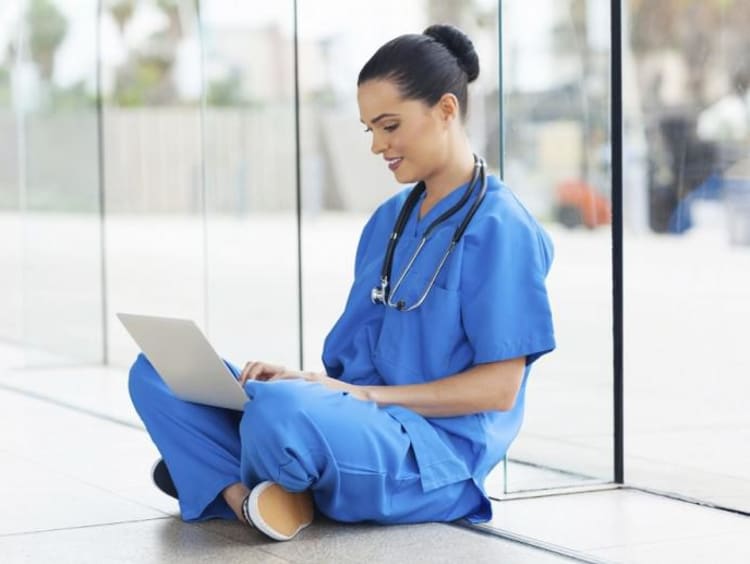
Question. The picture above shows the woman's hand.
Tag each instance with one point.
(265, 372)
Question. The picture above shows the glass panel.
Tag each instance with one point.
(687, 249)
(56, 94)
(557, 146)
(151, 68)
(11, 289)
(342, 182)
(251, 187)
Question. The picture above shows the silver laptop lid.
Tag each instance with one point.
(185, 360)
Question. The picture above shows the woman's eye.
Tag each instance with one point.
(368, 130)
(391, 127)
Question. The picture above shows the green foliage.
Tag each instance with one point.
(134, 89)
(226, 92)
(122, 11)
(47, 29)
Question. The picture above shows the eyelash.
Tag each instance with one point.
(388, 128)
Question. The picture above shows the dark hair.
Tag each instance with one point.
(425, 67)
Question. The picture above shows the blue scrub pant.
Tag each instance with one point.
(355, 458)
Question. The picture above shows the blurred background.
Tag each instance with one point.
(149, 158)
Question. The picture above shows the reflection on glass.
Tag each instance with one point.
(688, 269)
(556, 111)
(54, 97)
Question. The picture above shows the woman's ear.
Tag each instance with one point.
(448, 107)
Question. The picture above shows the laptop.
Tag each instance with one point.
(185, 360)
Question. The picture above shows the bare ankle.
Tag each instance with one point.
(234, 495)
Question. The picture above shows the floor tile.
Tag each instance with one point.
(724, 549)
(326, 541)
(95, 452)
(596, 520)
(36, 498)
(161, 541)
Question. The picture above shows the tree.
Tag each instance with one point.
(47, 29)
(146, 77)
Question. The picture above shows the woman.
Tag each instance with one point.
(425, 374)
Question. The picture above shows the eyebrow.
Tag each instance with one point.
(381, 116)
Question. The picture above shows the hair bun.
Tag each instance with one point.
(459, 44)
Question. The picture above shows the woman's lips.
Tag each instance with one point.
(393, 164)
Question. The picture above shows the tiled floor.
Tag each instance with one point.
(75, 488)
(629, 526)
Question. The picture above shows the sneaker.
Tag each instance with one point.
(162, 478)
(276, 512)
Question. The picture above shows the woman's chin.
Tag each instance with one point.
(403, 176)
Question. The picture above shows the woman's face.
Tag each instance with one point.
(411, 136)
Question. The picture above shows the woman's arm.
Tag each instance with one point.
(484, 387)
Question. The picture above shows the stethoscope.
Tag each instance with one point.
(381, 295)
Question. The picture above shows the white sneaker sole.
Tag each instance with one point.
(278, 513)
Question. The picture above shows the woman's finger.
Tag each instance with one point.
(255, 371)
(245, 371)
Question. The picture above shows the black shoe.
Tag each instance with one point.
(162, 479)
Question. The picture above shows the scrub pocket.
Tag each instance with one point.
(420, 343)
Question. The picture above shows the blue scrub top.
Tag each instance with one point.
(489, 303)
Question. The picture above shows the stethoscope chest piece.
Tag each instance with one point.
(377, 294)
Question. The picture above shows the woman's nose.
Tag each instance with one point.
(377, 145)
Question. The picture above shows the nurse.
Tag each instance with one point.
(425, 378)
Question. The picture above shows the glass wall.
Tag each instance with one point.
(152, 164)
(180, 197)
(201, 198)
(687, 249)
(556, 104)
(11, 251)
(50, 185)
(250, 179)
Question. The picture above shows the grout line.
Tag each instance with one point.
(78, 527)
(534, 543)
(686, 499)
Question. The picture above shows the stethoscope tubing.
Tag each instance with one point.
(382, 294)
